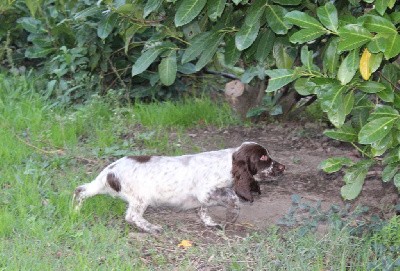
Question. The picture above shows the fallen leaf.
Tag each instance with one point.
(185, 244)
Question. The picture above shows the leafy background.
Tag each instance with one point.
(343, 55)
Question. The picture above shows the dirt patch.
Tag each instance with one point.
(301, 147)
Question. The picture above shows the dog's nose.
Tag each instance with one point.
(281, 167)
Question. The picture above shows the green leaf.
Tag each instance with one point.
(391, 3)
(306, 58)
(386, 95)
(354, 179)
(391, 157)
(359, 116)
(31, 25)
(151, 6)
(254, 12)
(38, 52)
(383, 111)
(215, 8)
(126, 9)
(337, 115)
(303, 20)
(381, 6)
(305, 35)
(390, 76)
(287, 2)
(246, 36)
(256, 111)
(279, 78)
(392, 46)
(167, 69)
(187, 68)
(129, 33)
(331, 57)
(377, 44)
(376, 130)
(106, 25)
(146, 59)
(353, 36)
(397, 181)
(331, 98)
(198, 44)
(346, 133)
(379, 147)
(249, 74)
(264, 47)
(284, 55)
(33, 6)
(328, 16)
(93, 10)
(348, 102)
(348, 67)
(232, 54)
(379, 25)
(212, 47)
(334, 164)
(395, 17)
(304, 86)
(275, 19)
(371, 87)
(188, 10)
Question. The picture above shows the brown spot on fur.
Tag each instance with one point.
(113, 181)
(140, 158)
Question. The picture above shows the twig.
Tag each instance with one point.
(223, 74)
(37, 148)
(374, 173)
(390, 82)
(117, 74)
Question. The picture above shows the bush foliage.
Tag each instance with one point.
(344, 54)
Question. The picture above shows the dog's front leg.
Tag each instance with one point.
(227, 197)
(134, 215)
(206, 218)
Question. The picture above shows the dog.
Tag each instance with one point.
(184, 182)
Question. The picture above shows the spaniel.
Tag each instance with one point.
(184, 182)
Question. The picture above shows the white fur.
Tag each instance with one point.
(181, 182)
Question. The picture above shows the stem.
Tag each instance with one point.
(361, 151)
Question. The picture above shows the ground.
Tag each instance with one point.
(301, 147)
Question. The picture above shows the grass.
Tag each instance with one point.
(185, 114)
(45, 152)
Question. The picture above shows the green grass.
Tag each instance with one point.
(189, 113)
(45, 152)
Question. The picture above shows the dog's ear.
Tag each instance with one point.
(243, 180)
(255, 187)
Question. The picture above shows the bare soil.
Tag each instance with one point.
(301, 147)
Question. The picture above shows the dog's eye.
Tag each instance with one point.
(265, 158)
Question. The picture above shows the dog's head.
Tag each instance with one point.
(251, 162)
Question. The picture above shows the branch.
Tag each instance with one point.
(223, 74)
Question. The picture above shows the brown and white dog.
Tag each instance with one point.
(184, 182)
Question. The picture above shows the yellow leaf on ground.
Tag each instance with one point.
(185, 244)
(365, 65)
